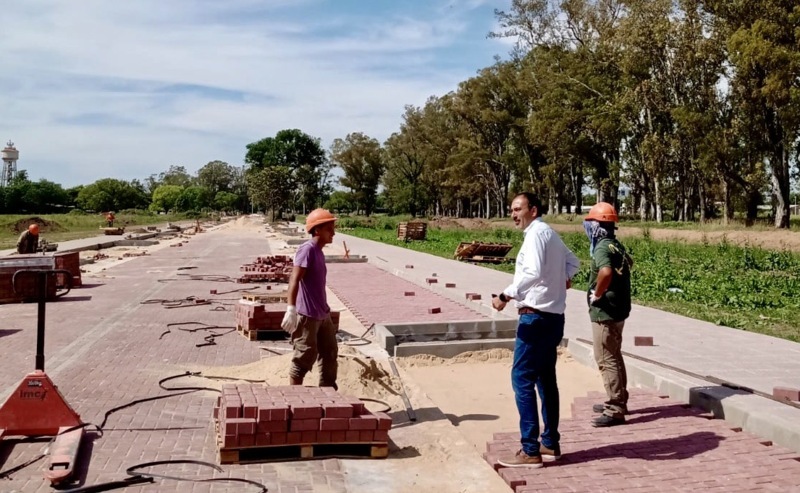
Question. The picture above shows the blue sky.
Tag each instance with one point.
(124, 89)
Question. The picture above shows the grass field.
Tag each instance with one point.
(64, 227)
(737, 286)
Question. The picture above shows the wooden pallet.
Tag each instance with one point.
(282, 297)
(489, 260)
(271, 453)
(262, 334)
(412, 231)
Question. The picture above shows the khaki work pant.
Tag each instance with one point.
(315, 341)
(607, 339)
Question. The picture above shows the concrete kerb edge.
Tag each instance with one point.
(762, 417)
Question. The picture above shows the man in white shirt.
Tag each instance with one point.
(539, 291)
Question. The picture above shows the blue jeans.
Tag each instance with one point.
(535, 354)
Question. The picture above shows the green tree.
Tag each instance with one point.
(299, 153)
(109, 194)
(341, 202)
(193, 198)
(271, 188)
(165, 198)
(361, 159)
(216, 176)
(226, 201)
(763, 42)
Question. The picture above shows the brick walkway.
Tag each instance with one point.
(665, 446)
(104, 349)
(375, 296)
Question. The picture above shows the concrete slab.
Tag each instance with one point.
(481, 333)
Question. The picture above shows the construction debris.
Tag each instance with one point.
(478, 251)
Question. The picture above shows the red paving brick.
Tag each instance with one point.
(376, 296)
(104, 349)
(665, 446)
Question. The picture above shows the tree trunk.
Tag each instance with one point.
(702, 197)
(552, 204)
(753, 198)
(659, 211)
(780, 187)
(727, 212)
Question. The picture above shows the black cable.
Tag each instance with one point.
(386, 410)
(361, 338)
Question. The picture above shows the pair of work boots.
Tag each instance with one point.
(604, 420)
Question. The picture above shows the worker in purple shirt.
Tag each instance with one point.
(308, 316)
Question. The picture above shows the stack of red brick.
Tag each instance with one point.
(256, 415)
(271, 268)
(254, 315)
(69, 261)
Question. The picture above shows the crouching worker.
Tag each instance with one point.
(308, 316)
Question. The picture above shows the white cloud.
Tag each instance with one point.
(94, 89)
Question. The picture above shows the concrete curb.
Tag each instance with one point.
(755, 414)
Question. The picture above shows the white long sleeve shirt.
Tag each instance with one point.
(544, 264)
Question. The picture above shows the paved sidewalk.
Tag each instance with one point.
(665, 446)
(104, 348)
(752, 360)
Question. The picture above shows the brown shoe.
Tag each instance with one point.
(550, 454)
(521, 459)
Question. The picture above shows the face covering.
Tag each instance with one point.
(595, 232)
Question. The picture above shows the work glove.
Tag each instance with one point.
(289, 323)
(592, 298)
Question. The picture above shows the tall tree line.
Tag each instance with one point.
(674, 109)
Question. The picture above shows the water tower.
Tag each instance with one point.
(10, 156)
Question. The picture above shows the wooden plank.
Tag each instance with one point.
(262, 334)
(255, 455)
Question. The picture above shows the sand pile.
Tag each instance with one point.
(358, 376)
(470, 357)
(496, 355)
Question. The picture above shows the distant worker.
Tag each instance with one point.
(541, 278)
(609, 299)
(29, 240)
(308, 316)
(110, 219)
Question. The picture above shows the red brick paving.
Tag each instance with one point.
(664, 446)
(103, 350)
(376, 296)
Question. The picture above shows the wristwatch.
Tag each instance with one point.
(503, 298)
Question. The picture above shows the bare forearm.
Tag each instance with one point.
(604, 277)
(294, 284)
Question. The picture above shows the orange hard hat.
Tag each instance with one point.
(33, 229)
(603, 212)
(317, 217)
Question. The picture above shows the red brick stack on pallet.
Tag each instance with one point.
(69, 261)
(271, 268)
(253, 415)
(257, 316)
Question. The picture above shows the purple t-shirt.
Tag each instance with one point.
(311, 298)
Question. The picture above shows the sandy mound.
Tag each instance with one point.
(359, 375)
(45, 226)
(469, 357)
(496, 355)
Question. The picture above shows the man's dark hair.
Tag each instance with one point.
(533, 201)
